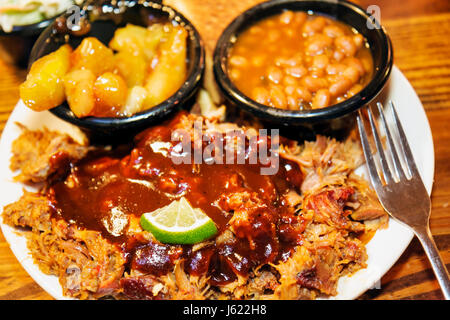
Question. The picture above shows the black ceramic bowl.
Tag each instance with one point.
(104, 20)
(335, 119)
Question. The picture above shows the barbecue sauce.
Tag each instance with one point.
(108, 190)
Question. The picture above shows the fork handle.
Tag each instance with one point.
(439, 269)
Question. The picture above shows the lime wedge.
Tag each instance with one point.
(179, 223)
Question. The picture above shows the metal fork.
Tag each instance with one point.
(401, 190)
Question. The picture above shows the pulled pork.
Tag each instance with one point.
(321, 227)
(39, 155)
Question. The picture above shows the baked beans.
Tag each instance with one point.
(300, 61)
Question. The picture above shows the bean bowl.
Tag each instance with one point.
(336, 119)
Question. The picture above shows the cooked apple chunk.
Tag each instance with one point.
(79, 86)
(93, 55)
(147, 66)
(135, 101)
(137, 40)
(169, 73)
(132, 69)
(110, 92)
(43, 89)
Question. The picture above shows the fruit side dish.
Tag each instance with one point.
(141, 67)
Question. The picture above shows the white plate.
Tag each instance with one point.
(383, 250)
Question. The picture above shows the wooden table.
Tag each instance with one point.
(420, 33)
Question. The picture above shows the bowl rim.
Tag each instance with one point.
(185, 92)
(28, 29)
(240, 23)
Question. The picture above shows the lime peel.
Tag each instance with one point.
(179, 223)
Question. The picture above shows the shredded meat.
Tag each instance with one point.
(144, 287)
(325, 161)
(323, 274)
(322, 220)
(369, 207)
(246, 207)
(328, 208)
(262, 282)
(32, 210)
(41, 154)
(86, 264)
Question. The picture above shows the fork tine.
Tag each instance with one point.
(384, 164)
(404, 142)
(395, 159)
(373, 173)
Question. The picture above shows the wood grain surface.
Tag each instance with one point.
(420, 32)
